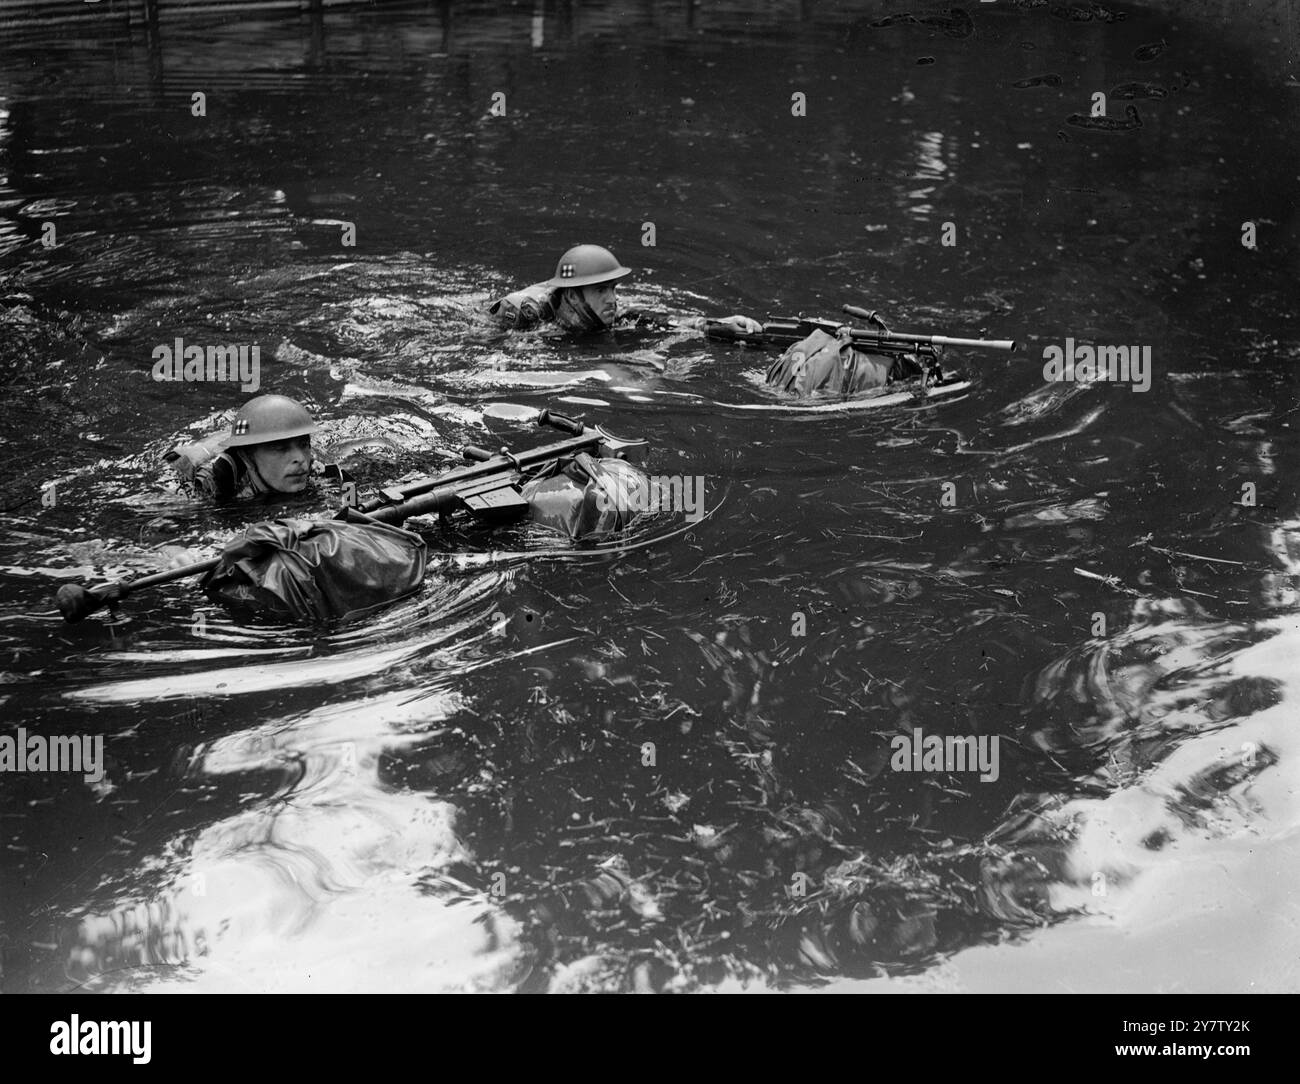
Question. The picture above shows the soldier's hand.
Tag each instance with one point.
(743, 323)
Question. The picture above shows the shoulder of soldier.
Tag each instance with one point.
(525, 308)
(189, 458)
(222, 480)
(196, 451)
(207, 467)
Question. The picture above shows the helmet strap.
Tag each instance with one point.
(251, 473)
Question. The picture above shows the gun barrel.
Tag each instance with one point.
(928, 340)
(790, 330)
(1008, 345)
(897, 339)
(428, 503)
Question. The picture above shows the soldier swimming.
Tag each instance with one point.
(581, 297)
(267, 451)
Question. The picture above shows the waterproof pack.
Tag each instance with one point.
(589, 498)
(822, 364)
(317, 570)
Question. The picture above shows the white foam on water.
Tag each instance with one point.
(510, 411)
(581, 401)
(538, 378)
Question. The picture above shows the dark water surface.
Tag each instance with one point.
(453, 795)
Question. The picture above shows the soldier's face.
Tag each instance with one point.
(601, 299)
(285, 465)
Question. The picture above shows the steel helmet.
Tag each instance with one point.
(585, 265)
(268, 418)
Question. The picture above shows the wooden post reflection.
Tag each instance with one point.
(316, 40)
(444, 16)
(153, 43)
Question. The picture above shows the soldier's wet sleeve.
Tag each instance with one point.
(524, 309)
(505, 313)
(201, 480)
(216, 479)
(193, 461)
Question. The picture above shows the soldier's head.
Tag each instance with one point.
(587, 278)
(272, 434)
(587, 308)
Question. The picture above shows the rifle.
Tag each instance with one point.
(488, 487)
(784, 331)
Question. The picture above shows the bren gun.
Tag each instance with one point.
(489, 486)
(783, 331)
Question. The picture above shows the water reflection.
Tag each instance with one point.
(323, 884)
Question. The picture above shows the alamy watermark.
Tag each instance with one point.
(78, 1036)
(658, 493)
(1084, 363)
(947, 753)
(212, 364)
(23, 752)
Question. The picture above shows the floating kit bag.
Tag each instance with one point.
(317, 570)
(589, 498)
(823, 364)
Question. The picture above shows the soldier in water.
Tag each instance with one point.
(266, 452)
(582, 297)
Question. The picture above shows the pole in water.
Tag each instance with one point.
(76, 603)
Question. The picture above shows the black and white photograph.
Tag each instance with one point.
(650, 496)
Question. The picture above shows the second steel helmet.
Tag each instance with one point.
(268, 418)
(586, 265)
